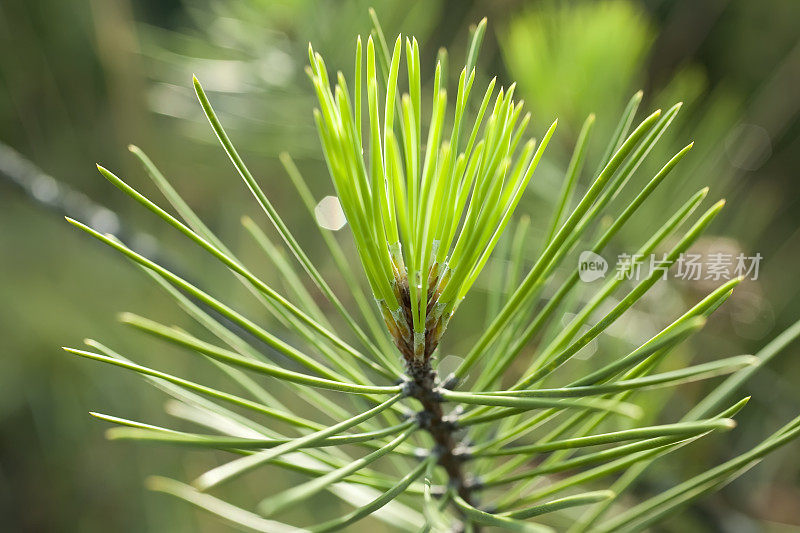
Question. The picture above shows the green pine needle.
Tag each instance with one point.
(429, 178)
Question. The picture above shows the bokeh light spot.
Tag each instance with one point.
(329, 213)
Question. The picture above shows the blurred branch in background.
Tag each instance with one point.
(118, 51)
(59, 198)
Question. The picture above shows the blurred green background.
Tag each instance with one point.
(81, 80)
